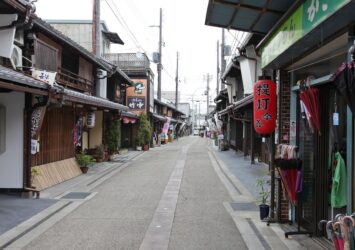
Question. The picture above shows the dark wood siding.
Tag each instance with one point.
(56, 138)
(46, 56)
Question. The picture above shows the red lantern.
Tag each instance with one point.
(265, 104)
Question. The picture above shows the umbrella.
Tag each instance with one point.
(289, 172)
(342, 234)
(344, 81)
(331, 233)
(310, 98)
(350, 223)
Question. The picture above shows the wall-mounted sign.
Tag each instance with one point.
(138, 87)
(136, 103)
(304, 19)
(137, 96)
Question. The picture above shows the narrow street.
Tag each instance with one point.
(184, 195)
(137, 209)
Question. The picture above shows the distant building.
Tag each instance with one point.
(185, 108)
(81, 32)
(169, 95)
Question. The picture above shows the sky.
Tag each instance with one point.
(183, 31)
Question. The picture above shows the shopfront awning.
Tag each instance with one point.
(257, 17)
(78, 97)
(243, 102)
(129, 117)
(237, 105)
(158, 117)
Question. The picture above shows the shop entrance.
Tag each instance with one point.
(318, 153)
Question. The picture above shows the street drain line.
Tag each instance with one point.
(102, 176)
(258, 234)
(34, 226)
(224, 173)
(111, 170)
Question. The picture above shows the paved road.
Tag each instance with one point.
(168, 198)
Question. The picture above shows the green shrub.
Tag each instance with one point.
(84, 160)
(144, 132)
(112, 136)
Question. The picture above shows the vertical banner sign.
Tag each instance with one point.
(265, 104)
(166, 126)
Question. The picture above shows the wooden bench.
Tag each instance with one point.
(34, 191)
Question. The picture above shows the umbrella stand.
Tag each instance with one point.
(296, 202)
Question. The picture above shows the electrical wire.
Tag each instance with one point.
(120, 19)
(134, 39)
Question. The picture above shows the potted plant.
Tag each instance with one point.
(263, 186)
(144, 133)
(35, 171)
(85, 161)
(139, 143)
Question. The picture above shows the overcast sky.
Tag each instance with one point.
(183, 30)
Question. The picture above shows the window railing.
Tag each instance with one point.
(74, 81)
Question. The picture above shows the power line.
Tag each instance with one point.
(120, 19)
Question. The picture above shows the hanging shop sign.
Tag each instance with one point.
(265, 103)
(43, 75)
(90, 122)
(37, 120)
(304, 19)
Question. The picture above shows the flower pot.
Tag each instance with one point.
(264, 211)
(84, 170)
(146, 147)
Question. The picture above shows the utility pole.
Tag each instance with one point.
(96, 29)
(159, 65)
(217, 78)
(223, 62)
(208, 93)
(177, 80)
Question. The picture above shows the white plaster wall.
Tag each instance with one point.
(11, 161)
(95, 134)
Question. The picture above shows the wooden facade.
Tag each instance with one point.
(56, 136)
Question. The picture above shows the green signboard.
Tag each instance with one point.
(306, 17)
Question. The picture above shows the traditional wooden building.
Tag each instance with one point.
(61, 120)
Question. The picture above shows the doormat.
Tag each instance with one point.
(249, 206)
(76, 195)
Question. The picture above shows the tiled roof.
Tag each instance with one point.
(93, 100)
(11, 75)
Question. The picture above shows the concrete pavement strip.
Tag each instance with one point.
(256, 234)
(24, 233)
(157, 236)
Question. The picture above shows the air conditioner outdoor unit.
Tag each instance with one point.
(19, 40)
(16, 57)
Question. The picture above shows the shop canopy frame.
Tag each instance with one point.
(257, 17)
